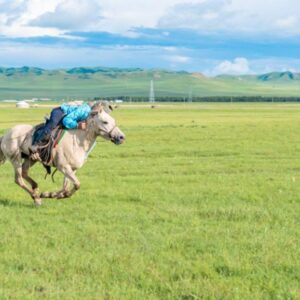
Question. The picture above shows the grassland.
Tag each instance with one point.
(201, 202)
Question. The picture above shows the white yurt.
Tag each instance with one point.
(22, 104)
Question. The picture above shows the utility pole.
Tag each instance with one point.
(190, 96)
(151, 94)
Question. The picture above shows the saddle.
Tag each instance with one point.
(45, 147)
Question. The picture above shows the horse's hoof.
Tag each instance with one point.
(38, 202)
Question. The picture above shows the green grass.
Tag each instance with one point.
(201, 202)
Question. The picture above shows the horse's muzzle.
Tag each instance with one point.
(118, 140)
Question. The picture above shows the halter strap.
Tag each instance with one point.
(108, 132)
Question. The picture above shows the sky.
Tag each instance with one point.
(208, 36)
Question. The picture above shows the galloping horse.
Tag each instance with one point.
(68, 157)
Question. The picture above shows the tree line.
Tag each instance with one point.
(204, 99)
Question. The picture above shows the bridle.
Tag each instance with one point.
(108, 132)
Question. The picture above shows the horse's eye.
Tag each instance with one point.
(105, 122)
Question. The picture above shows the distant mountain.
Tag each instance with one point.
(83, 70)
(273, 76)
(89, 82)
(279, 76)
(21, 71)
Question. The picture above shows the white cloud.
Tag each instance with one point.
(178, 59)
(287, 23)
(15, 16)
(120, 16)
(236, 16)
(71, 15)
(239, 65)
(115, 16)
(11, 10)
(243, 66)
(58, 17)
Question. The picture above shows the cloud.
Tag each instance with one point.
(242, 66)
(178, 58)
(214, 35)
(234, 17)
(118, 16)
(287, 23)
(195, 15)
(16, 15)
(70, 15)
(11, 10)
(239, 65)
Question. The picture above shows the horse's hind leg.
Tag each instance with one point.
(25, 174)
(19, 181)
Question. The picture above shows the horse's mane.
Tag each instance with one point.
(96, 107)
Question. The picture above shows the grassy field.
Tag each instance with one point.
(201, 202)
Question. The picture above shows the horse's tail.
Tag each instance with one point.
(2, 156)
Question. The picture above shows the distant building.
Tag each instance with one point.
(118, 101)
(45, 99)
(22, 104)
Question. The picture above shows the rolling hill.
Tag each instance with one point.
(83, 82)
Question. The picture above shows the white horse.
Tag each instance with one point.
(69, 155)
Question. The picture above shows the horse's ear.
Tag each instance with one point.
(104, 105)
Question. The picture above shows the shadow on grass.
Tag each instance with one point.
(10, 203)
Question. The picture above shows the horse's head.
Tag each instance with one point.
(104, 124)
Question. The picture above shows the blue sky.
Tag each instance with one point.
(209, 36)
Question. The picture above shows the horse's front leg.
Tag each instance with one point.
(65, 193)
(70, 175)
